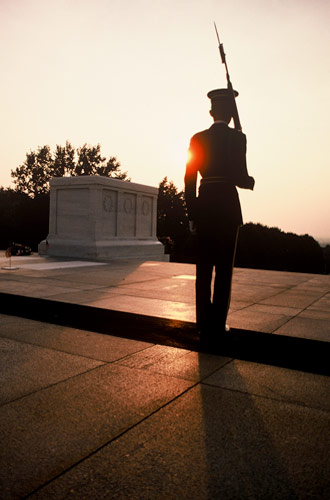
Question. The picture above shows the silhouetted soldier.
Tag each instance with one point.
(219, 155)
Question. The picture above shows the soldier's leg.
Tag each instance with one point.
(204, 269)
(223, 277)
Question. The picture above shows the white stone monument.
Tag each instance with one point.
(98, 218)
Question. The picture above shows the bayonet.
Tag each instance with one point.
(229, 84)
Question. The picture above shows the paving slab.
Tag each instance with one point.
(322, 304)
(26, 369)
(260, 321)
(54, 264)
(256, 292)
(273, 382)
(274, 278)
(38, 290)
(271, 309)
(317, 314)
(84, 343)
(209, 444)
(85, 297)
(179, 363)
(54, 428)
(149, 306)
(296, 298)
(181, 288)
(304, 327)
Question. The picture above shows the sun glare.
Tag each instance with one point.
(189, 156)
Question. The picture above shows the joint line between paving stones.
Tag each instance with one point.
(298, 314)
(120, 284)
(256, 303)
(74, 354)
(127, 356)
(102, 363)
(271, 398)
(56, 383)
(97, 450)
(230, 360)
(54, 349)
(147, 368)
(115, 438)
(289, 317)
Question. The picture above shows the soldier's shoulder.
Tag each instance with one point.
(199, 135)
(237, 133)
(237, 136)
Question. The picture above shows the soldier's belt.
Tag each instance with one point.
(214, 180)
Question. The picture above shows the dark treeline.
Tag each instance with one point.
(24, 219)
(258, 247)
(262, 247)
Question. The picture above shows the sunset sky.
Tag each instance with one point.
(133, 76)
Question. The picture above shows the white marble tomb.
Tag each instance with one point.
(98, 218)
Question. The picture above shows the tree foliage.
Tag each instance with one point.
(172, 218)
(23, 219)
(326, 254)
(263, 247)
(33, 176)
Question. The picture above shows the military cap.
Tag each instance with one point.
(219, 94)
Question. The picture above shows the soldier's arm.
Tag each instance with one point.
(242, 178)
(190, 179)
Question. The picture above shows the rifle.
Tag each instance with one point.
(229, 84)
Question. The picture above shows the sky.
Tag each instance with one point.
(133, 76)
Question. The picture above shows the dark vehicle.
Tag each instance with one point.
(20, 249)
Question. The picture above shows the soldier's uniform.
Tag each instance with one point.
(219, 155)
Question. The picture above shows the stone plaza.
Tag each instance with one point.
(106, 393)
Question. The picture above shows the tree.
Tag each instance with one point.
(171, 211)
(89, 160)
(172, 217)
(23, 219)
(64, 161)
(33, 176)
(326, 255)
(262, 247)
(112, 169)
